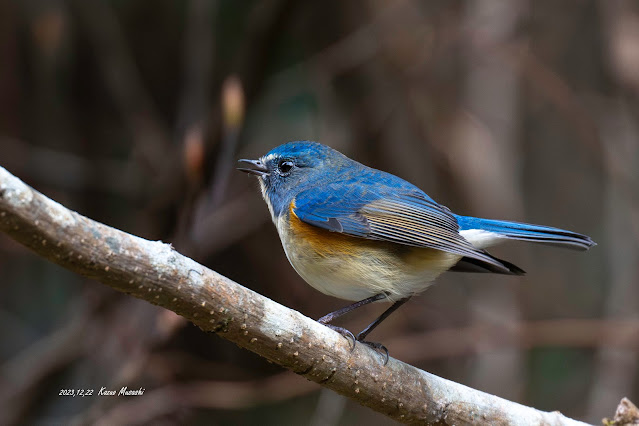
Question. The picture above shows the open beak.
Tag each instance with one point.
(258, 168)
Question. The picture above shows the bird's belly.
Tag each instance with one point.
(355, 268)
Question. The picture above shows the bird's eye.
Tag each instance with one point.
(285, 166)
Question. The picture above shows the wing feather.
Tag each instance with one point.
(387, 214)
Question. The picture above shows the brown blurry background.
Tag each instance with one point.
(135, 112)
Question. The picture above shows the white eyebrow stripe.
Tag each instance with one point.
(268, 158)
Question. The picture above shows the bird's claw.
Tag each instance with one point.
(344, 332)
(378, 347)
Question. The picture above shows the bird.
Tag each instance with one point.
(365, 235)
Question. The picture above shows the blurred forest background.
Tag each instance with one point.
(135, 112)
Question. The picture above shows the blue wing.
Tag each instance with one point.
(386, 208)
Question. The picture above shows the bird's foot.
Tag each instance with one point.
(378, 347)
(344, 332)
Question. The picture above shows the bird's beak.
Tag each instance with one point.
(258, 169)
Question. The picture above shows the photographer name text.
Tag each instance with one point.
(104, 391)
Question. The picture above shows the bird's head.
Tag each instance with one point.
(293, 167)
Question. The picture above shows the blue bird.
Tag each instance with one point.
(361, 234)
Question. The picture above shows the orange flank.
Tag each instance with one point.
(324, 242)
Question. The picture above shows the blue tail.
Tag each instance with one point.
(527, 232)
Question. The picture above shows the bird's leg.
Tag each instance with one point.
(346, 309)
(378, 346)
(362, 334)
(326, 319)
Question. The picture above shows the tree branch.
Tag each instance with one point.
(155, 272)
